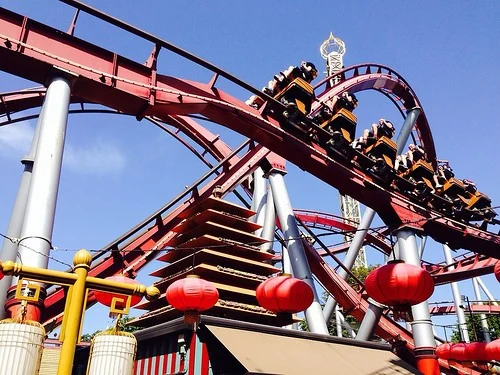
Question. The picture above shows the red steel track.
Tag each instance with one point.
(35, 51)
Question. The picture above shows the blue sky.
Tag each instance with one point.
(117, 170)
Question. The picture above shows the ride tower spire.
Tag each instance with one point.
(333, 50)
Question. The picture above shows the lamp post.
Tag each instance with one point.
(79, 282)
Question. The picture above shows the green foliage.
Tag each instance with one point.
(474, 327)
(122, 326)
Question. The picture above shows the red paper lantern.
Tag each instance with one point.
(476, 351)
(192, 295)
(399, 284)
(493, 350)
(284, 294)
(443, 350)
(106, 298)
(496, 270)
(458, 352)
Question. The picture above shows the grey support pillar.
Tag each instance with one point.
(269, 223)
(285, 259)
(10, 248)
(370, 321)
(462, 323)
(487, 292)
(298, 259)
(36, 235)
(405, 131)
(422, 246)
(259, 199)
(338, 321)
(346, 325)
(422, 329)
(484, 322)
(369, 214)
(350, 257)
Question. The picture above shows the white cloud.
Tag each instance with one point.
(15, 139)
(98, 158)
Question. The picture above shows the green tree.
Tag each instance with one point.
(474, 328)
(121, 324)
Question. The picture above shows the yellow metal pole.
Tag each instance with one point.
(73, 316)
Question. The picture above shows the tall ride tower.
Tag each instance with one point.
(333, 51)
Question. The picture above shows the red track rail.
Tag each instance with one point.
(136, 89)
(32, 50)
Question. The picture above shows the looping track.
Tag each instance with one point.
(35, 51)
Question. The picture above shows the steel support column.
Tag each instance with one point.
(484, 322)
(462, 323)
(350, 257)
(369, 214)
(423, 334)
(487, 292)
(293, 241)
(269, 223)
(10, 248)
(259, 199)
(370, 321)
(404, 134)
(36, 234)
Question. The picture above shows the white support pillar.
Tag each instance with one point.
(269, 223)
(462, 323)
(10, 248)
(293, 241)
(350, 257)
(422, 328)
(487, 291)
(36, 235)
(484, 322)
(259, 200)
(370, 321)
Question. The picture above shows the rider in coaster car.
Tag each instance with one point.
(443, 173)
(370, 136)
(414, 154)
(330, 107)
(307, 71)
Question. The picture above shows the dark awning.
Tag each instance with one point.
(268, 353)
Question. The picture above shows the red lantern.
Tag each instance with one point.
(476, 351)
(106, 298)
(493, 350)
(399, 284)
(458, 352)
(284, 294)
(192, 295)
(496, 270)
(443, 350)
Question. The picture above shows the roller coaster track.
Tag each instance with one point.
(35, 51)
(31, 50)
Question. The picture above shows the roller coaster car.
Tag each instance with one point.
(421, 171)
(297, 96)
(342, 127)
(378, 159)
(384, 148)
(468, 206)
(417, 182)
(455, 190)
(479, 206)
